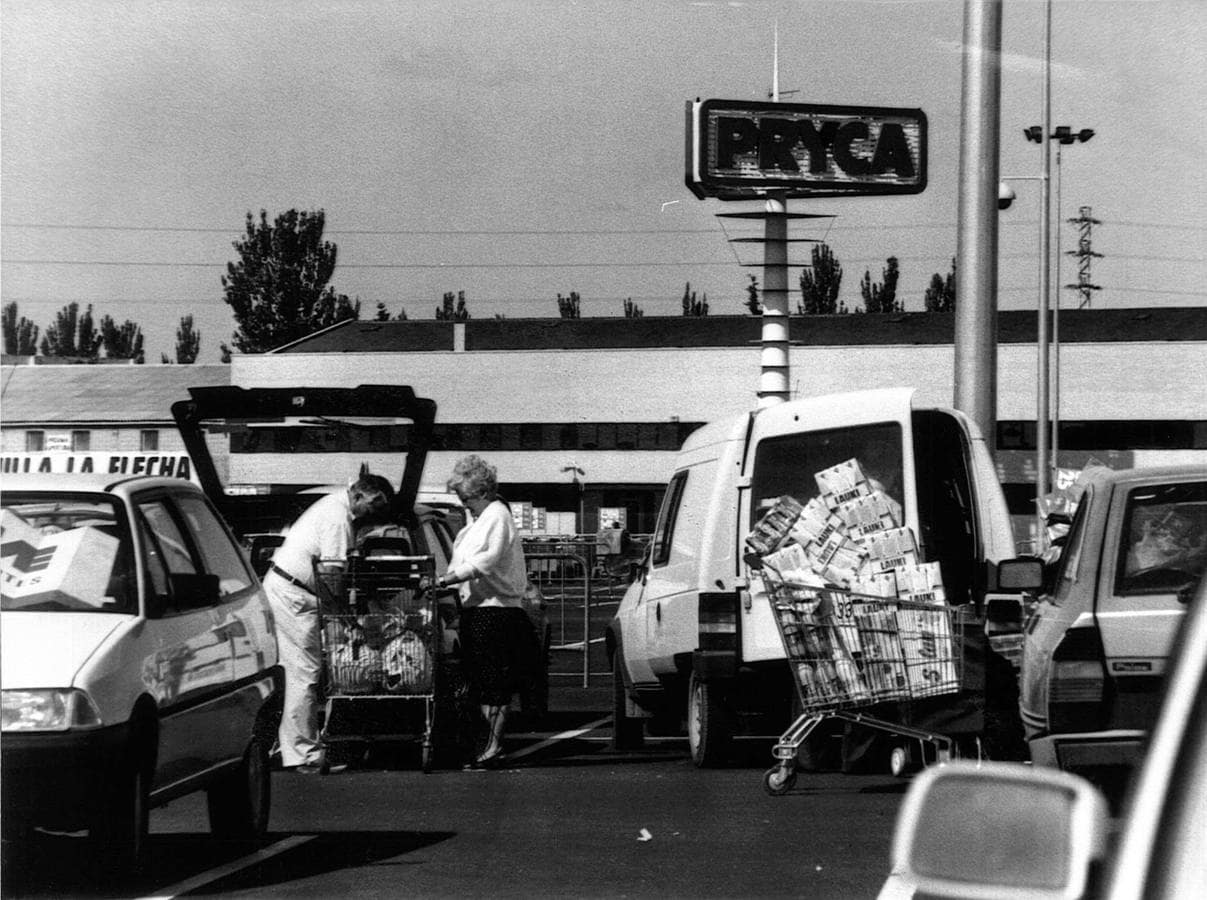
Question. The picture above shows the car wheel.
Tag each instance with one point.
(120, 828)
(627, 733)
(239, 803)
(709, 723)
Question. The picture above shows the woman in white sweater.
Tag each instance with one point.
(490, 573)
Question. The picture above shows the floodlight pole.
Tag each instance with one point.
(1042, 400)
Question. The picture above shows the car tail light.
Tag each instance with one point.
(1078, 687)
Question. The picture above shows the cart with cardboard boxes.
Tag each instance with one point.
(863, 621)
(382, 632)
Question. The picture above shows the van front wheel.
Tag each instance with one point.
(709, 722)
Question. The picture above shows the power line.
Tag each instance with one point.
(385, 232)
(565, 265)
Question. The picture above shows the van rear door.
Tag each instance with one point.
(792, 441)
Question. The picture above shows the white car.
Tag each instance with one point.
(138, 661)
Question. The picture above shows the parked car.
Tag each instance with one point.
(342, 416)
(138, 661)
(1011, 831)
(1096, 647)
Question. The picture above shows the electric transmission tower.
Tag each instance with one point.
(1085, 255)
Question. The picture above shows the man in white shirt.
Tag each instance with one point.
(322, 532)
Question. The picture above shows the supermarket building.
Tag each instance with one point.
(582, 417)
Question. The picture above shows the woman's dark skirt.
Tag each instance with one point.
(499, 647)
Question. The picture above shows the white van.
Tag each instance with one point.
(694, 635)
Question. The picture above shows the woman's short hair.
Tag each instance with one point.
(474, 477)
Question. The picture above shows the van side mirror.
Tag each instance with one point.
(1001, 830)
(194, 590)
(1025, 574)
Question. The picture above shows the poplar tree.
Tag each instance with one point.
(882, 297)
(123, 341)
(452, 308)
(692, 306)
(72, 334)
(941, 295)
(570, 307)
(819, 285)
(278, 288)
(20, 334)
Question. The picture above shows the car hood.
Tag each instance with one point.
(45, 650)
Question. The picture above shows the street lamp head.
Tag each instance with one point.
(1035, 134)
(1085, 134)
(1005, 195)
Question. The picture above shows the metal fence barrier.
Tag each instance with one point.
(580, 582)
(562, 571)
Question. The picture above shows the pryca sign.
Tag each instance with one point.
(739, 150)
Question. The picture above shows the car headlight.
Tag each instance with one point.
(47, 709)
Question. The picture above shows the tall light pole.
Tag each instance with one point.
(1043, 135)
(576, 471)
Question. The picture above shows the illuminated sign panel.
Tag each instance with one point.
(739, 150)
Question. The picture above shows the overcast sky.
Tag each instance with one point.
(515, 150)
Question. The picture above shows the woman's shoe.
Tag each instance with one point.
(490, 760)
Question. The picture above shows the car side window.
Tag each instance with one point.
(1070, 556)
(172, 547)
(1164, 542)
(667, 516)
(219, 553)
(156, 568)
(438, 544)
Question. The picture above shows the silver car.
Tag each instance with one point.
(1096, 647)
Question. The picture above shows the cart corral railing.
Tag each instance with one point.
(569, 573)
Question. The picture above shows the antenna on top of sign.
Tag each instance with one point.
(775, 94)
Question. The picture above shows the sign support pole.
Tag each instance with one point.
(773, 376)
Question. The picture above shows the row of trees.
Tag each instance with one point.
(76, 335)
(279, 291)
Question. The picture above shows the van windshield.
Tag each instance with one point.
(788, 464)
(65, 552)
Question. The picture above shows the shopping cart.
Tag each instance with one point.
(382, 634)
(849, 651)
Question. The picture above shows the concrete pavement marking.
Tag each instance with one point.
(189, 884)
(564, 736)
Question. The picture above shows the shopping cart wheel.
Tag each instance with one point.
(778, 780)
(426, 762)
(902, 761)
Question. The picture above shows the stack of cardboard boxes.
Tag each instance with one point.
(864, 619)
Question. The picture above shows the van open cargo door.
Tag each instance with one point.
(255, 449)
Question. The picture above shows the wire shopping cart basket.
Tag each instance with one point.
(381, 634)
(850, 651)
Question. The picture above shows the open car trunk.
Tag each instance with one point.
(264, 454)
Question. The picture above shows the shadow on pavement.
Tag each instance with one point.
(63, 866)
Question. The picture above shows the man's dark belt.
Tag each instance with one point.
(297, 582)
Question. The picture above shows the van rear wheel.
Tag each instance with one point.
(709, 722)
